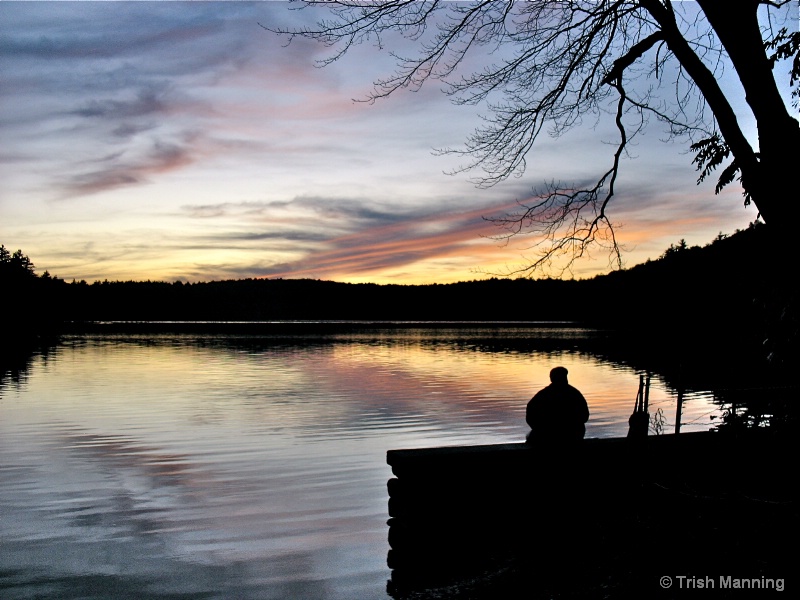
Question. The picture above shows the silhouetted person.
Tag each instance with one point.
(558, 412)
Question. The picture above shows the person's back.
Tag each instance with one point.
(558, 412)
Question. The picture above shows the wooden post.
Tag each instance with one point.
(639, 421)
(640, 395)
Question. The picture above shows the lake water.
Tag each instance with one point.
(230, 466)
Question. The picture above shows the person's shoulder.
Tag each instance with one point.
(575, 390)
(545, 391)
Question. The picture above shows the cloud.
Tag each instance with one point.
(160, 158)
(377, 249)
(313, 211)
(147, 102)
(127, 131)
(76, 32)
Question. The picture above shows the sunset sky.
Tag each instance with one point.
(182, 141)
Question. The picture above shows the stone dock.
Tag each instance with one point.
(687, 501)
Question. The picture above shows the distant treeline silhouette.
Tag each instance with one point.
(734, 288)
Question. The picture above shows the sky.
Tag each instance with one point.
(183, 141)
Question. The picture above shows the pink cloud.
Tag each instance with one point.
(162, 158)
(381, 248)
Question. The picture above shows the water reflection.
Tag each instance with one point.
(232, 466)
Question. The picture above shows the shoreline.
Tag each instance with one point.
(303, 326)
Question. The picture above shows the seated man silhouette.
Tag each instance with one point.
(558, 412)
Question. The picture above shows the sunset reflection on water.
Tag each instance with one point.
(232, 466)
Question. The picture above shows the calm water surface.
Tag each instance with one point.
(240, 467)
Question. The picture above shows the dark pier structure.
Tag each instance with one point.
(613, 514)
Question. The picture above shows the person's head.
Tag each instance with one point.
(559, 375)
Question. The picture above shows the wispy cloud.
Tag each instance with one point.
(118, 172)
(148, 102)
(373, 250)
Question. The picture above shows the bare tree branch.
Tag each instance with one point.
(559, 216)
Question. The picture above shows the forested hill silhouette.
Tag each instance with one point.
(732, 287)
